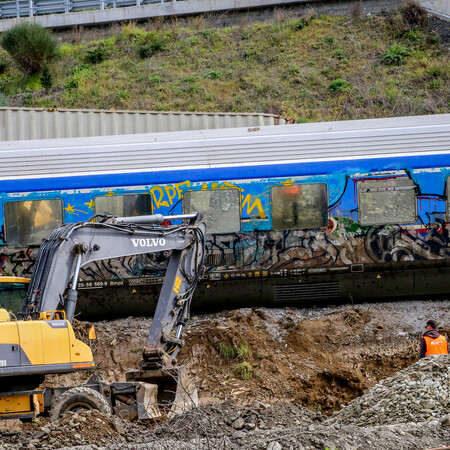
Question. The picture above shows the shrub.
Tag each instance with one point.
(300, 24)
(31, 47)
(413, 15)
(121, 95)
(46, 78)
(71, 84)
(339, 85)
(97, 55)
(81, 67)
(435, 70)
(213, 74)
(4, 65)
(148, 50)
(233, 351)
(328, 40)
(395, 55)
(434, 84)
(154, 79)
(3, 100)
(243, 370)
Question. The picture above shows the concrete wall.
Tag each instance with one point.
(439, 7)
(194, 7)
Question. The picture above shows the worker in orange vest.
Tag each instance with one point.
(432, 343)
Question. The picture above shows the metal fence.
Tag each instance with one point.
(30, 8)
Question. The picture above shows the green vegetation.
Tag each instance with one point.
(96, 55)
(234, 351)
(395, 55)
(243, 370)
(30, 46)
(147, 50)
(46, 78)
(3, 100)
(339, 85)
(306, 69)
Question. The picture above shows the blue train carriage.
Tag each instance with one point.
(334, 211)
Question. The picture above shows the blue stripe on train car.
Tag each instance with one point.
(234, 172)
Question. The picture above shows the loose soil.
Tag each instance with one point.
(320, 358)
(305, 363)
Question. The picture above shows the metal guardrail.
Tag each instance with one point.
(30, 8)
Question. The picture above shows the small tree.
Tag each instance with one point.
(46, 79)
(31, 47)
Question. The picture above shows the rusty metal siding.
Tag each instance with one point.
(25, 124)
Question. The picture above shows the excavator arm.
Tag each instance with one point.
(70, 247)
(44, 341)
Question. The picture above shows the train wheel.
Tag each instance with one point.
(79, 398)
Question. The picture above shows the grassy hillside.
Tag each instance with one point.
(307, 69)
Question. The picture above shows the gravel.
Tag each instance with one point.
(417, 394)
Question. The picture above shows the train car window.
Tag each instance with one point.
(391, 201)
(124, 205)
(26, 223)
(299, 206)
(221, 208)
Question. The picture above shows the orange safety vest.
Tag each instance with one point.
(437, 346)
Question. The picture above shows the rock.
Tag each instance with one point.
(238, 424)
(238, 435)
(446, 420)
(118, 426)
(275, 445)
(39, 435)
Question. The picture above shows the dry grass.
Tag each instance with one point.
(284, 67)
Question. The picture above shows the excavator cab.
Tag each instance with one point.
(13, 293)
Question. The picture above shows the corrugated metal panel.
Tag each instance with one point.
(296, 292)
(24, 123)
(235, 147)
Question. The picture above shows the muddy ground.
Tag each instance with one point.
(282, 371)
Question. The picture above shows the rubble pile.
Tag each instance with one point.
(303, 360)
(416, 394)
(229, 421)
(85, 427)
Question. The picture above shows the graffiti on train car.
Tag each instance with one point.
(17, 262)
(257, 249)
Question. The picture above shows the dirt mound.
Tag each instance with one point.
(322, 362)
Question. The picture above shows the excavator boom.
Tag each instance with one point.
(70, 247)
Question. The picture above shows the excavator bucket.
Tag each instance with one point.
(163, 391)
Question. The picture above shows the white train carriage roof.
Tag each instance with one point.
(236, 147)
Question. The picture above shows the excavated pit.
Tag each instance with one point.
(263, 374)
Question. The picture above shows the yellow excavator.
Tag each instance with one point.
(40, 339)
